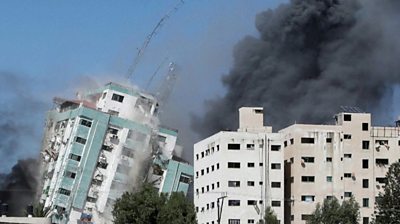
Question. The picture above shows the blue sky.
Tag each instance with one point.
(54, 48)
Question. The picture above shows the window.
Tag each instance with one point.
(202, 154)
(106, 148)
(276, 184)
(233, 165)
(276, 203)
(381, 180)
(197, 156)
(261, 164)
(365, 220)
(251, 202)
(275, 147)
(365, 144)
(80, 140)
(250, 183)
(102, 165)
(328, 140)
(91, 199)
(212, 205)
(308, 198)
(232, 183)
(233, 221)
(307, 179)
(329, 197)
(328, 159)
(382, 142)
(212, 168)
(217, 166)
(291, 141)
(365, 126)
(285, 143)
(348, 156)
(70, 174)
(161, 138)
(276, 166)
(185, 178)
(86, 123)
(202, 172)
(127, 152)
(308, 159)
(365, 183)
(261, 183)
(329, 179)
(202, 189)
(347, 117)
(217, 184)
(382, 162)
(250, 164)
(250, 221)
(117, 98)
(64, 191)
(250, 146)
(307, 140)
(347, 136)
(347, 194)
(365, 163)
(233, 146)
(212, 186)
(365, 202)
(233, 202)
(347, 175)
(208, 170)
(208, 188)
(74, 157)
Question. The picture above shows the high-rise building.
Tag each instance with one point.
(98, 146)
(239, 173)
(347, 159)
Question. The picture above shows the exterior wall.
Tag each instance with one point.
(108, 151)
(341, 175)
(212, 176)
(178, 177)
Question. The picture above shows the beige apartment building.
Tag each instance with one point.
(349, 158)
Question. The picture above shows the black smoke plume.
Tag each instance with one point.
(18, 188)
(311, 57)
(21, 122)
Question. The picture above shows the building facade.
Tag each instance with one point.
(239, 173)
(97, 147)
(347, 159)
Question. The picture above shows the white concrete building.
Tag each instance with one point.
(98, 146)
(349, 158)
(238, 174)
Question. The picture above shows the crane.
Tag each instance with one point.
(148, 39)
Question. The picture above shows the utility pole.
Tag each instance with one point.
(220, 208)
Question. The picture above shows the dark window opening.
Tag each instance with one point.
(276, 184)
(74, 157)
(233, 146)
(328, 140)
(307, 179)
(86, 123)
(365, 126)
(233, 202)
(347, 117)
(307, 140)
(233, 165)
(365, 163)
(276, 203)
(117, 97)
(308, 159)
(80, 140)
(365, 183)
(233, 183)
(347, 136)
(275, 147)
(276, 166)
(365, 144)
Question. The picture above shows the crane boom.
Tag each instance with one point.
(149, 37)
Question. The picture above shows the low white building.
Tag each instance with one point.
(239, 173)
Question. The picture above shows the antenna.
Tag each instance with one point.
(155, 72)
(167, 85)
(149, 37)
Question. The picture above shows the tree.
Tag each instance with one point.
(141, 207)
(388, 202)
(331, 212)
(270, 216)
(148, 207)
(177, 210)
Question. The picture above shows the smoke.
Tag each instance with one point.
(18, 188)
(311, 57)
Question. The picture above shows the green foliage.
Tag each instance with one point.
(270, 216)
(331, 212)
(388, 202)
(148, 207)
(177, 210)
